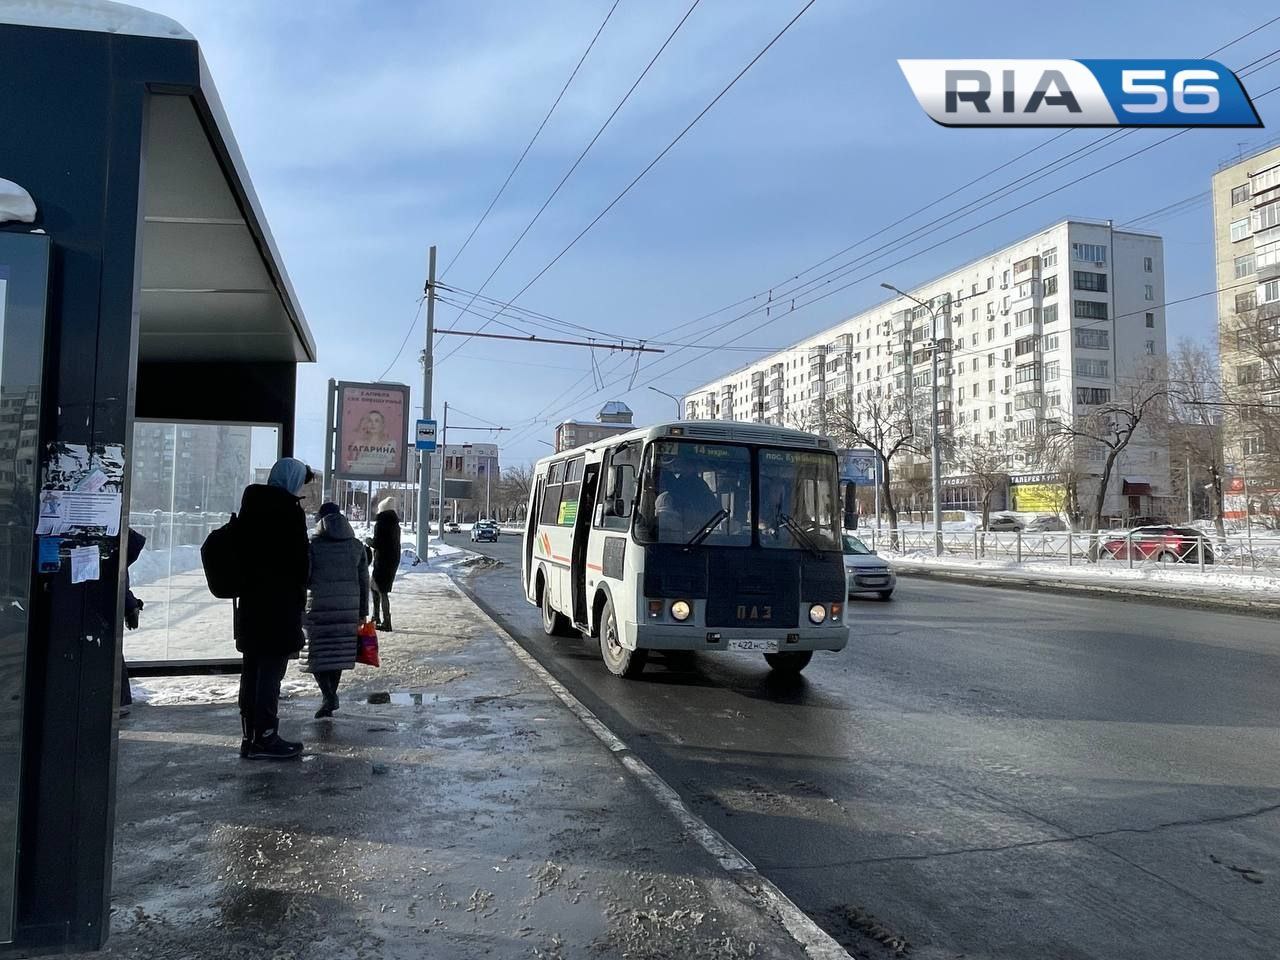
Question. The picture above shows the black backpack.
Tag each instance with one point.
(220, 555)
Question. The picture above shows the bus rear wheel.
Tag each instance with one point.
(554, 624)
(790, 662)
(620, 661)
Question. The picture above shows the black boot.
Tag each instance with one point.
(386, 624)
(246, 730)
(270, 746)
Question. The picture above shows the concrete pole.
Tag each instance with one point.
(935, 445)
(440, 449)
(1190, 511)
(428, 364)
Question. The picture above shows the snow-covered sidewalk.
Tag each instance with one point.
(1184, 582)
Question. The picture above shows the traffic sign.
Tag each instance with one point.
(426, 435)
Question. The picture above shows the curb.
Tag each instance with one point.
(817, 943)
(1044, 582)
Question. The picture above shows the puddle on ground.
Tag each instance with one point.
(406, 699)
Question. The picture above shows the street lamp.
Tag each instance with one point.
(935, 448)
(679, 402)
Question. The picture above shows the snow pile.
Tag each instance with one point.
(225, 688)
(1213, 583)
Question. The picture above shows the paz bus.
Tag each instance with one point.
(696, 535)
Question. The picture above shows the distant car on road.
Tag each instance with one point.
(484, 531)
(1004, 523)
(1046, 523)
(452, 527)
(865, 571)
(1163, 544)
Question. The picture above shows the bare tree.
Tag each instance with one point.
(1196, 400)
(515, 486)
(887, 425)
(1249, 381)
(986, 464)
(1136, 405)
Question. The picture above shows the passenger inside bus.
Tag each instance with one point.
(685, 503)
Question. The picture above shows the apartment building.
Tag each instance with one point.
(1042, 330)
(1246, 233)
(614, 418)
(474, 461)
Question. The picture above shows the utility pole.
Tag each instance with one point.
(424, 457)
(328, 493)
(488, 480)
(1190, 518)
(934, 441)
(440, 449)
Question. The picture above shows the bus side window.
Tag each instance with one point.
(551, 494)
(620, 486)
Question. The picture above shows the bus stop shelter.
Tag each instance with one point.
(150, 345)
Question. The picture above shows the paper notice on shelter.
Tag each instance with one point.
(84, 564)
(64, 510)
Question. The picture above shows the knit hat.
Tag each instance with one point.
(389, 503)
(327, 509)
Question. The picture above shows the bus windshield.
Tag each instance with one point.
(702, 493)
(697, 493)
(799, 500)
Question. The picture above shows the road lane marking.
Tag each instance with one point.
(817, 943)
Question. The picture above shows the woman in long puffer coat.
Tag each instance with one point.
(337, 605)
(386, 560)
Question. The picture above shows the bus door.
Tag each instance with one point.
(531, 532)
(581, 537)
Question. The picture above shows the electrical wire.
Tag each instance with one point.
(529, 146)
(403, 343)
(654, 162)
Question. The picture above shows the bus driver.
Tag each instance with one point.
(685, 503)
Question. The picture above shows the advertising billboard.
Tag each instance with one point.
(858, 466)
(372, 431)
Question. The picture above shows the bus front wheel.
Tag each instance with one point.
(620, 661)
(554, 624)
(792, 661)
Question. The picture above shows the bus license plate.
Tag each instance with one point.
(752, 645)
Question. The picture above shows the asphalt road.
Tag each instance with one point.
(983, 773)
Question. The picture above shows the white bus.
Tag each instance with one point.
(700, 535)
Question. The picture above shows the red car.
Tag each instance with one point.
(1164, 544)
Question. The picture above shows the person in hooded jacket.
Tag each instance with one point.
(275, 552)
(338, 604)
(386, 560)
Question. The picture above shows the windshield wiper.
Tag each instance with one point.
(800, 534)
(705, 530)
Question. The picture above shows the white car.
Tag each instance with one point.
(865, 571)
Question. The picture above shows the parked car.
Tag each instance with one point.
(484, 531)
(1133, 523)
(865, 571)
(1163, 544)
(1046, 523)
(452, 527)
(1004, 523)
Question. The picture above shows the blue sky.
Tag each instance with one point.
(374, 130)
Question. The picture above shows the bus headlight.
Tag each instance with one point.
(817, 613)
(681, 610)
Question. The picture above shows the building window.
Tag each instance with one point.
(1149, 291)
(1049, 314)
(1253, 445)
(1049, 258)
(1092, 339)
(1024, 346)
(1151, 348)
(1090, 309)
(1092, 396)
(1151, 321)
(960, 394)
(1246, 301)
(1006, 329)
(991, 282)
(1264, 218)
(1028, 372)
(1243, 265)
(1008, 381)
(1050, 285)
(1091, 252)
(1264, 180)
(1008, 409)
(1023, 317)
(991, 413)
(1091, 368)
(1271, 291)
(991, 334)
(1240, 229)
(1240, 194)
(1148, 264)
(1053, 399)
(1086, 280)
(1051, 343)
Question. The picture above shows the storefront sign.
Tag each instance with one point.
(1038, 497)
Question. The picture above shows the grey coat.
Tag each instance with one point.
(339, 596)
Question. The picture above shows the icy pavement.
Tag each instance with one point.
(463, 813)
